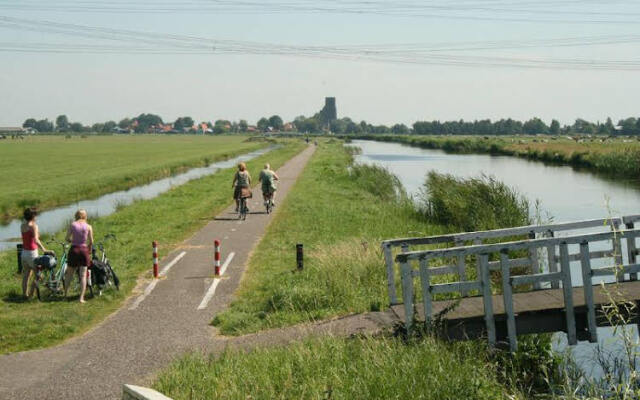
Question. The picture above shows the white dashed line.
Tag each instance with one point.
(153, 283)
(212, 289)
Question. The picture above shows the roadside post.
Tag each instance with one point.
(300, 256)
(216, 245)
(155, 259)
(19, 251)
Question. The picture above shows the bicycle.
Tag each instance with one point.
(102, 263)
(269, 203)
(243, 209)
(50, 277)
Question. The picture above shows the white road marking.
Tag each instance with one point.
(153, 283)
(166, 269)
(212, 289)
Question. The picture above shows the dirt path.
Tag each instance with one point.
(145, 335)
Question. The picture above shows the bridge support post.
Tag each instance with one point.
(567, 291)
(462, 268)
(407, 294)
(487, 298)
(507, 296)
(391, 278)
(425, 279)
(631, 250)
(533, 258)
(585, 261)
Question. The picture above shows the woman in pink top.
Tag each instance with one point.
(30, 244)
(80, 234)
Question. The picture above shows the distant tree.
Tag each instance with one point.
(30, 123)
(307, 125)
(222, 126)
(44, 125)
(183, 122)
(76, 127)
(400, 129)
(352, 127)
(609, 128)
(535, 126)
(243, 125)
(109, 126)
(339, 126)
(276, 122)
(628, 126)
(146, 121)
(97, 127)
(554, 128)
(263, 124)
(125, 123)
(62, 123)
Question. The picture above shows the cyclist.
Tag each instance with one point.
(80, 234)
(268, 178)
(30, 244)
(241, 180)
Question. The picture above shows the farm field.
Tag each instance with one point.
(182, 210)
(615, 157)
(49, 171)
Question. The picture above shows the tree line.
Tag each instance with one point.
(152, 123)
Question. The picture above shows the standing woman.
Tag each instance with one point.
(30, 244)
(80, 234)
(241, 180)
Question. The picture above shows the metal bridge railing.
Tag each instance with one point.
(507, 259)
(498, 235)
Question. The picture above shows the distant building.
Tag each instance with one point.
(329, 113)
(17, 130)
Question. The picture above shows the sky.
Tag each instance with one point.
(384, 61)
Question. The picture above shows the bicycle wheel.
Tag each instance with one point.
(113, 278)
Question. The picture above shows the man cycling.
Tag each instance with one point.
(268, 178)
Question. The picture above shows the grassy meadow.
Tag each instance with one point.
(619, 157)
(32, 324)
(48, 171)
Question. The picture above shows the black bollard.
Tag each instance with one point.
(19, 251)
(300, 256)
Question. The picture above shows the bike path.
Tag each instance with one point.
(137, 340)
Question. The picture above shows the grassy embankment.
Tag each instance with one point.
(340, 214)
(51, 171)
(617, 157)
(182, 210)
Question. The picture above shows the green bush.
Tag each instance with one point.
(473, 204)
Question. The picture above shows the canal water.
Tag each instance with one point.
(54, 220)
(564, 193)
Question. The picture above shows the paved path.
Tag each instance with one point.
(133, 343)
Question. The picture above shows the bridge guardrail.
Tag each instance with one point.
(476, 238)
(622, 264)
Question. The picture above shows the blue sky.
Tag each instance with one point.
(98, 87)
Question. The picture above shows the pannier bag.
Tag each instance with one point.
(99, 272)
(46, 261)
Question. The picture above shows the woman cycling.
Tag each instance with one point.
(80, 234)
(241, 180)
(30, 244)
(268, 178)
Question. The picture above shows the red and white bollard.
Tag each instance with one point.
(155, 259)
(216, 244)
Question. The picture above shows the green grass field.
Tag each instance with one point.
(340, 215)
(183, 210)
(49, 171)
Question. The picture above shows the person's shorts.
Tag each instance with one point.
(78, 257)
(239, 192)
(28, 257)
(268, 189)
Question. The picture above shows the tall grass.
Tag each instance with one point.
(473, 204)
(330, 368)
